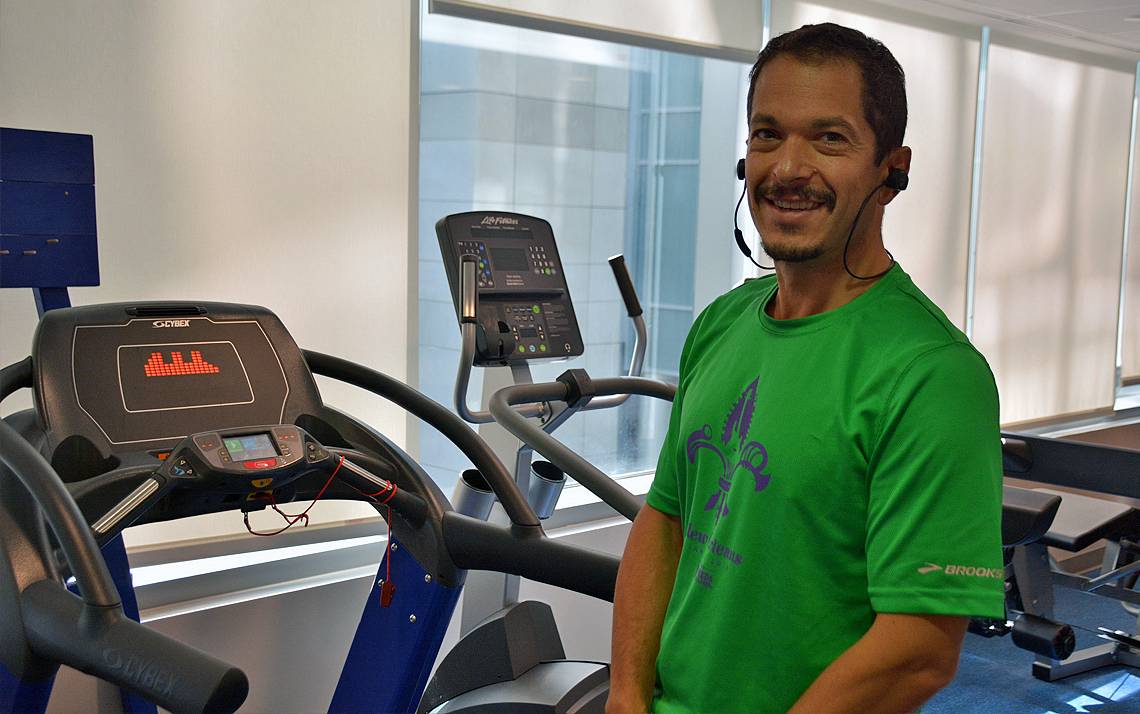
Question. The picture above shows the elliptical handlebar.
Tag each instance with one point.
(468, 325)
(641, 336)
(625, 286)
(503, 404)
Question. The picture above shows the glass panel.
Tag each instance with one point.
(682, 80)
(586, 135)
(683, 135)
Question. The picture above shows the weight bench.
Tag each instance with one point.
(1080, 522)
(1026, 517)
(1026, 514)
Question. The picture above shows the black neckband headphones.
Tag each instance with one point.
(897, 180)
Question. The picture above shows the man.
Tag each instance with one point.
(826, 511)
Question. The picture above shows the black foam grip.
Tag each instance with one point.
(104, 643)
(1055, 640)
(625, 285)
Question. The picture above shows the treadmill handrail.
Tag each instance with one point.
(106, 643)
(439, 417)
(15, 376)
(90, 632)
(63, 516)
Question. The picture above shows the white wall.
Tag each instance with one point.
(253, 151)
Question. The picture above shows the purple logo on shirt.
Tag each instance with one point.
(734, 452)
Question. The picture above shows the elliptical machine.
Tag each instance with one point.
(513, 306)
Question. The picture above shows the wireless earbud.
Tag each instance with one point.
(897, 179)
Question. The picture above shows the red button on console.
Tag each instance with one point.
(260, 464)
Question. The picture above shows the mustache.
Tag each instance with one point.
(804, 193)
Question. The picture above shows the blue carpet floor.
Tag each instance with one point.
(994, 676)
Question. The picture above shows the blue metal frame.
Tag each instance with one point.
(19, 695)
(115, 554)
(48, 159)
(394, 648)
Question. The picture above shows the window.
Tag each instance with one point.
(616, 147)
(1050, 232)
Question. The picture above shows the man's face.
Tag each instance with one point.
(811, 156)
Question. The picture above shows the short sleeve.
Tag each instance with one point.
(934, 500)
(664, 493)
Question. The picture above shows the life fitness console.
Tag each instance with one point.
(524, 308)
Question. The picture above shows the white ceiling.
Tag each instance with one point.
(1105, 26)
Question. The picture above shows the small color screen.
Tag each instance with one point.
(253, 446)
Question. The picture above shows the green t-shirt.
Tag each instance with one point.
(824, 469)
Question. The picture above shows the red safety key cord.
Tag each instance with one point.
(291, 520)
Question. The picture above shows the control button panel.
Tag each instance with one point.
(253, 450)
(181, 468)
(478, 249)
(540, 262)
(313, 452)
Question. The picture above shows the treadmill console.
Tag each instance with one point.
(522, 291)
(246, 461)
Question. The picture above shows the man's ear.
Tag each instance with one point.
(896, 159)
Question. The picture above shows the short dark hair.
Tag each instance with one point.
(884, 84)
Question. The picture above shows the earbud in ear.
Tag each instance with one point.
(740, 169)
(897, 179)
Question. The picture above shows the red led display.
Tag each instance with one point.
(156, 366)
